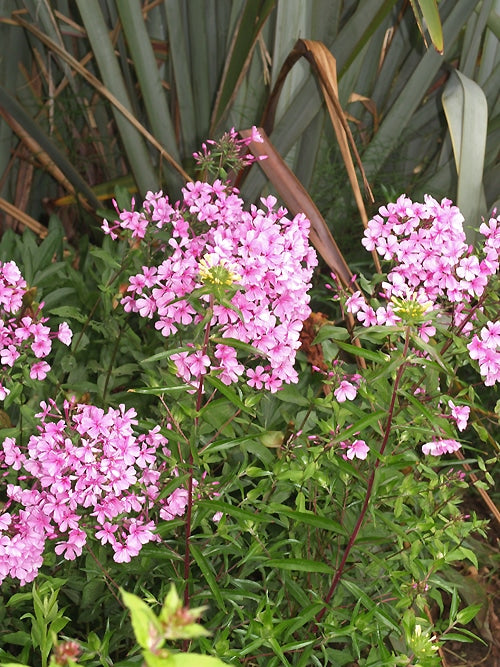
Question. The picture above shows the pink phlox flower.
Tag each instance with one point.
(358, 449)
(197, 363)
(110, 230)
(367, 316)
(73, 546)
(64, 333)
(231, 369)
(9, 355)
(258, 377)
(123, 552)
(460, 413)
(440, 446)
(106, 534)
(426, 331)
(345, 391)
(13, 456)
(39, 370)
(175, 504)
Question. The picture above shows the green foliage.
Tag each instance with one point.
(288, 502)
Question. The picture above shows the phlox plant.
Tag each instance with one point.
(313, 510)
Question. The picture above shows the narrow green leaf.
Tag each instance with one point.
(360, 425)
(371, 355)
(238, 345)
(144, 621)
(252, 19)
(398, 116)
(148, 75)
(308, 518)
(229, 393)
(300, 564)
(208, 574)
(157, 391)
(466, 615)
(188, 660)
(430, 13)
(178, 45)
(234, 511)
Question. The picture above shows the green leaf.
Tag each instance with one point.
(466, 110)
(378, 357)
(208, 574)
(69, 312)
(192, 660)
(360, 425)
(234, 511)
(250, 23)
(466, 615)
(104, 54)
(157, 391)
(300, 564)
(413, 92)
(308, 518)
(238, 345)
(430, 14)
(330, 332)
(148, 75)
(228, 393)
(146, 626)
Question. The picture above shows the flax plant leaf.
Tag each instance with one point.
(466, 111)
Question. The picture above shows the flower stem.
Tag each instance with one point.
(193, 443)
(369, 487)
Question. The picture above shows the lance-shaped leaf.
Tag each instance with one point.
(427, 15)
(153, 94)
(112, 77)
(415, 89)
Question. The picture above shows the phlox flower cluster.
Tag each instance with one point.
(86, 472)
(258, 262)
(434, 272)
(440, 446)
(485, 348)
(24, 335)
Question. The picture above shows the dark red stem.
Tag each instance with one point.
(369, 486)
